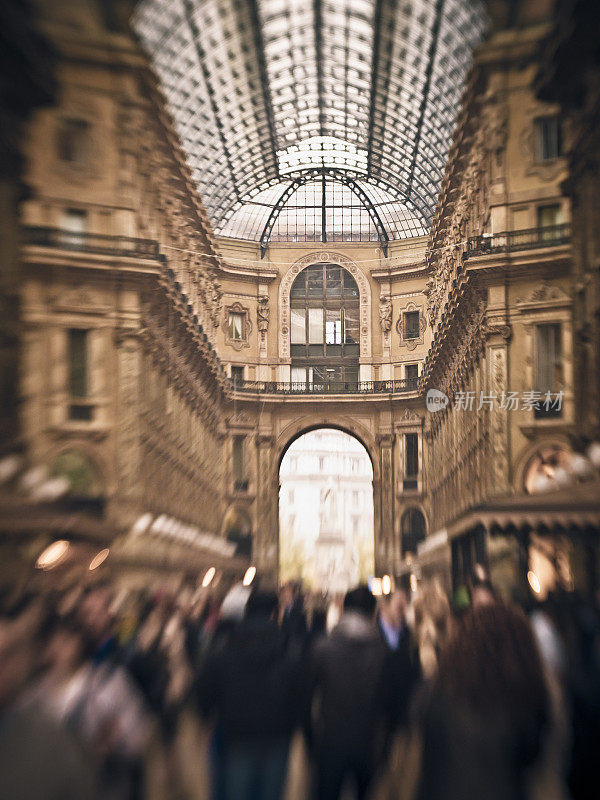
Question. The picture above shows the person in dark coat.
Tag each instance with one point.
(483, 724)
(351, 684)
(404, 659)
(250, 685)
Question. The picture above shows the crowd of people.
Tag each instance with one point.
(420, 696)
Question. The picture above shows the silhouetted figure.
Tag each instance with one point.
(484, 720)
(250, 684)
(351, 684)
(403, 655)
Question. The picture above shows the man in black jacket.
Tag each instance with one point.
(250, 685)
(403, 656)
(351, 688)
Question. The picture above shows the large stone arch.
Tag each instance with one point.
(364, 289)
(271, 450)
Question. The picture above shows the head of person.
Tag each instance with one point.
(65, 648)
(95, 615)
(360, 601)
(261, 605)
(491, 664)
(287, 595)
(392, 607)
(481, 591)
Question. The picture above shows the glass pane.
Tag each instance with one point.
(299, 286)
(315, 281)
(411, 325)
(549, 364)
(333, 326)
(238, 458)
(78, 367)
(298, 326)
(350, 287)
(351, 326)
(298, 374)
(315, 325)
(236, 326)
(548, 215)
(334, 282)
(411, 444)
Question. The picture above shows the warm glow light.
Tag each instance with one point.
(413, 583)
(534, 582)
(210, 574)
(249, 576)
(98, 559)
(386, 584)
(376, 587)
(52, 554)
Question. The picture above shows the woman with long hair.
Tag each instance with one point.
(485, 716)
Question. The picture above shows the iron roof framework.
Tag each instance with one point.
(266, 92)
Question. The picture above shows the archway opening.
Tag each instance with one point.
(326, 533)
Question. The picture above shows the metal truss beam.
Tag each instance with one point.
(188, 8)
(259, 46)
(381, 63)
(435, 34)
(318, 35)
(312, 174)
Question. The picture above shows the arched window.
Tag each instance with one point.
(325, 327)
(413, 530)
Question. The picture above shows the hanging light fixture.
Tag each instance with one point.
(249, 576)
(98, 559)
(208, 577)
(53, 554)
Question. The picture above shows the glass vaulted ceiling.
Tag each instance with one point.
(314, 120)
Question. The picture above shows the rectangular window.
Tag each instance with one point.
(78, 362)
(315, 326)
(73, 225)
(549, 218)
(355, 498)
(236, 326)
(351, 326)
(355, 524)
(411, 455)
(237, 375)
(299, 375)
(78, 346)
(298, 326)
(411, 325)
(239, 468)
(73, 141)
(549, 358)
(333, 327)
(547, 138)
(411, 373)
(291, 496)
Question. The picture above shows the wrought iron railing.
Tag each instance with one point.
(326, 387)
(91, 242)
(511, 241)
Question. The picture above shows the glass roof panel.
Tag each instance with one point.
(262, 91)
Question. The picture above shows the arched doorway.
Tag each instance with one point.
(326, 514)
(413, 530)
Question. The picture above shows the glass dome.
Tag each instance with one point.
(264, 93)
